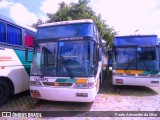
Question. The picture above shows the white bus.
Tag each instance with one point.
(14, 65)
(136, 60)
(67, 63)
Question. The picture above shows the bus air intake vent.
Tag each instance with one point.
(57, 84)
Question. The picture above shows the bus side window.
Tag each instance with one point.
(2, 32)
(29, 38)
(96, 33)
(96, 55)
(14, 35)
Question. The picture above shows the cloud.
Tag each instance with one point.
(126, 16)
(19, 13)
(5, 4)
(51, 6)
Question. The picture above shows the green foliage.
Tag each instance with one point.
(80, 10)
(35, 25)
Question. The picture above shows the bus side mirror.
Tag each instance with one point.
(97, 53)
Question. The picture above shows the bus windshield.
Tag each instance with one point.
(136, 58)
(70, 30)
(63, 59)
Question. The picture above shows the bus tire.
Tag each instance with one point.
(4, 92)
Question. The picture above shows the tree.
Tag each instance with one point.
(80, 10)
(35, 25)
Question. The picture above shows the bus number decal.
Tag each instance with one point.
(41, 79)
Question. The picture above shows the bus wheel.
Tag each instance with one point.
(4, 92)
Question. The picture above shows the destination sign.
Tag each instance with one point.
(70, 38)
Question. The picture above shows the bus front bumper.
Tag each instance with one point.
(136, 81)
(63, 94)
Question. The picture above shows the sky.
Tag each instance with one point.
(127, 17)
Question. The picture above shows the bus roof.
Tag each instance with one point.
(11, 21)
(134, 36)
(67, 22)
(136, 40)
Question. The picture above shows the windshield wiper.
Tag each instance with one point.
(130, 63)
(145, 65)
(134, 60)
(66, 67)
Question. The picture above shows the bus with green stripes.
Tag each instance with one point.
(136, 60)
(14, 64)
(68, 61)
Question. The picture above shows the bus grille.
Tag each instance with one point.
(57, 84)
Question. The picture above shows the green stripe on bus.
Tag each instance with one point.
(66, 80)
(61, 80)
(151, 72)
(71, 81)
(21, 56)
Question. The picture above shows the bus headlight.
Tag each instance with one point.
(35, 83)
(85, 85)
